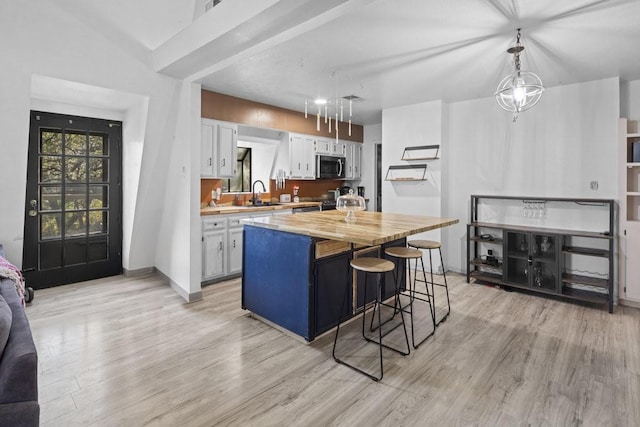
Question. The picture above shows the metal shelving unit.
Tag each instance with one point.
(536, 258)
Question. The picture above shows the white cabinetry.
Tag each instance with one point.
(301, 157)
(629, 184)
(214, 232)
(338, 148)
(218, 149)
(234, 245)
(322, 146)
(222, 243)
(353, 160)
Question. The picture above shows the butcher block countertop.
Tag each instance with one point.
(370, 228)
(230, 209)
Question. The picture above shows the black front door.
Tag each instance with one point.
(72, 228)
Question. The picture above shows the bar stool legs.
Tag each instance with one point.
(431, 245)
(371, 266)
(403, 256)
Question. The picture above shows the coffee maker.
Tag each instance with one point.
(344, 190)
(360, 191)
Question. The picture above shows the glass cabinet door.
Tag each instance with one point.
(544, 253)
(517, 258)
(532, 260)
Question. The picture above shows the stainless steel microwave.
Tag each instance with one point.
(330, 167)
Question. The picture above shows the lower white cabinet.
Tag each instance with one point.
(234, 245)
(214, 233)
(629, 266)
(222, 243)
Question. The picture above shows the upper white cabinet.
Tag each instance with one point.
(338, 148)
(322, 146)
(218, 150)
(353, 160)
(301, 157)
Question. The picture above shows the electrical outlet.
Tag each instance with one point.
(594, 185)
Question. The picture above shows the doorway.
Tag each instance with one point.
(72, 227)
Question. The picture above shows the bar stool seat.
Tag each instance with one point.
(432, 245)
(369, 266)
(424, 244)
(404, 255)
(372, 265)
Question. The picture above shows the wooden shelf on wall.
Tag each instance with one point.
(421, 152)
(406, 173)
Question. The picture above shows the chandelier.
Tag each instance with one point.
(520, 90)
(338, 113)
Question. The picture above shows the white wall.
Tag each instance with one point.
(630, 100)
(555, 149)
(414, 125)
(40, 38)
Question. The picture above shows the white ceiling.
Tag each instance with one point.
(388, 52)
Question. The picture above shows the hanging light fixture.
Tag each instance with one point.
(520, 90)
(333, 111)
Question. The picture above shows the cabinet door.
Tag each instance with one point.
(357, 160)
(226, 143)
(301, 158)
(631, 249)
(331, 282)
(516, 263)
(309, 160)
(349, 161)
(322, 146)
(337, 148)
(544, 255)
(206, 150)
(296, 155)
(235, 250)
(212, 254)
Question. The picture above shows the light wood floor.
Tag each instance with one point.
(130, 352)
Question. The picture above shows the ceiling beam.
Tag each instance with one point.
(230, 33)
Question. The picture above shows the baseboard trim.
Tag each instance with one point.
(629, 303)
(188, 297)
(140, 272)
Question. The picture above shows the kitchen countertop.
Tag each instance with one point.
(370, 228)
(230, 209)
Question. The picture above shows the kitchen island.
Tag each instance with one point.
(296, 267)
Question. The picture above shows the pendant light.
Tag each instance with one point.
(520, 90)
(333, 110)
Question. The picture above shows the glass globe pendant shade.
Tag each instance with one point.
(519, 91)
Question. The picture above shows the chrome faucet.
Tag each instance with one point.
(253, 190)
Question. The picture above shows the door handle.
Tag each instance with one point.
(223, 162)
(34, 210)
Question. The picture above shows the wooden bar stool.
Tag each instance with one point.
(432, 245)
(378, 267)
(404, 256)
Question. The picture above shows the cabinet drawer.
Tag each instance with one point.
(235, 222)
(331, 247)
(213, 224)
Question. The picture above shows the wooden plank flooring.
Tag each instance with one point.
(130, 352)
